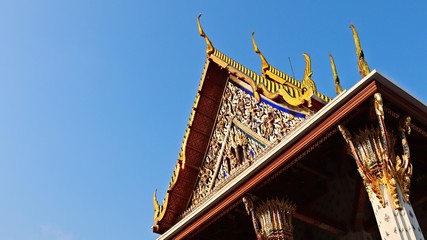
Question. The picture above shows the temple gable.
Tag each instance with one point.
(244, 129)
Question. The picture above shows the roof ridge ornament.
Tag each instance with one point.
(338, 88)
(307, 83)
(265, 64)
(160, 210)
(304, 93)
(362, 65)
(209, 46)
(271, 72)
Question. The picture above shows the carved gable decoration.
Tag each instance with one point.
(244, 128)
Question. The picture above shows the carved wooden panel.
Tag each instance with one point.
(244, 128)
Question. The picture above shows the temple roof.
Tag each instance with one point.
(199, 127)
(273, 85)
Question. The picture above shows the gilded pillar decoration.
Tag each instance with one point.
(271, 219)
(385, 174)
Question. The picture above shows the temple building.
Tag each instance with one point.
(267, 156)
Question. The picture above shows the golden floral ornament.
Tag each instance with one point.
(243, 129)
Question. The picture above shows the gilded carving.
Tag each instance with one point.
(265, 65)
(272, 219)
(373, 150)
(337, 85)
(308, 87)
(160, 210)
(243, 130)
(181, 156)
(209, 46)
(362, 65)
(403, 165)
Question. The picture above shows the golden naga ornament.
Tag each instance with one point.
(337, 85)
(378, 165)
(308, 87)
(362, 65)
(271, 219)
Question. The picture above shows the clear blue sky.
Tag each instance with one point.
(95, 95)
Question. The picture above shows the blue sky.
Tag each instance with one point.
(95, 95)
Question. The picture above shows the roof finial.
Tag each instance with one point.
(265, 65)
(338, 88)
(307, 70)
(307, 83)
(209, 47)
(362, 65)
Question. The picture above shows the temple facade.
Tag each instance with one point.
(267, 156)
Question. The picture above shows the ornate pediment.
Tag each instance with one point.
(244, 128)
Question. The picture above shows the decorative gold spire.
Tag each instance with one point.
(338, 88)
(362, 65)
(307, 83)
(265, 64)
(209, 47)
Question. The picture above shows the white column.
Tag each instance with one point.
(395, 223)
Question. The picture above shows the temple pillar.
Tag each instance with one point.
(396, 223)
(386, 176)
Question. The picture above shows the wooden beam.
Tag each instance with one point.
(313, 171)
(319, 221)
(420, 200)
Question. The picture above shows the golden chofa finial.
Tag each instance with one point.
(307, 83)
(265, 65)
(338, 88)
(209, 47)
(362, 65)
